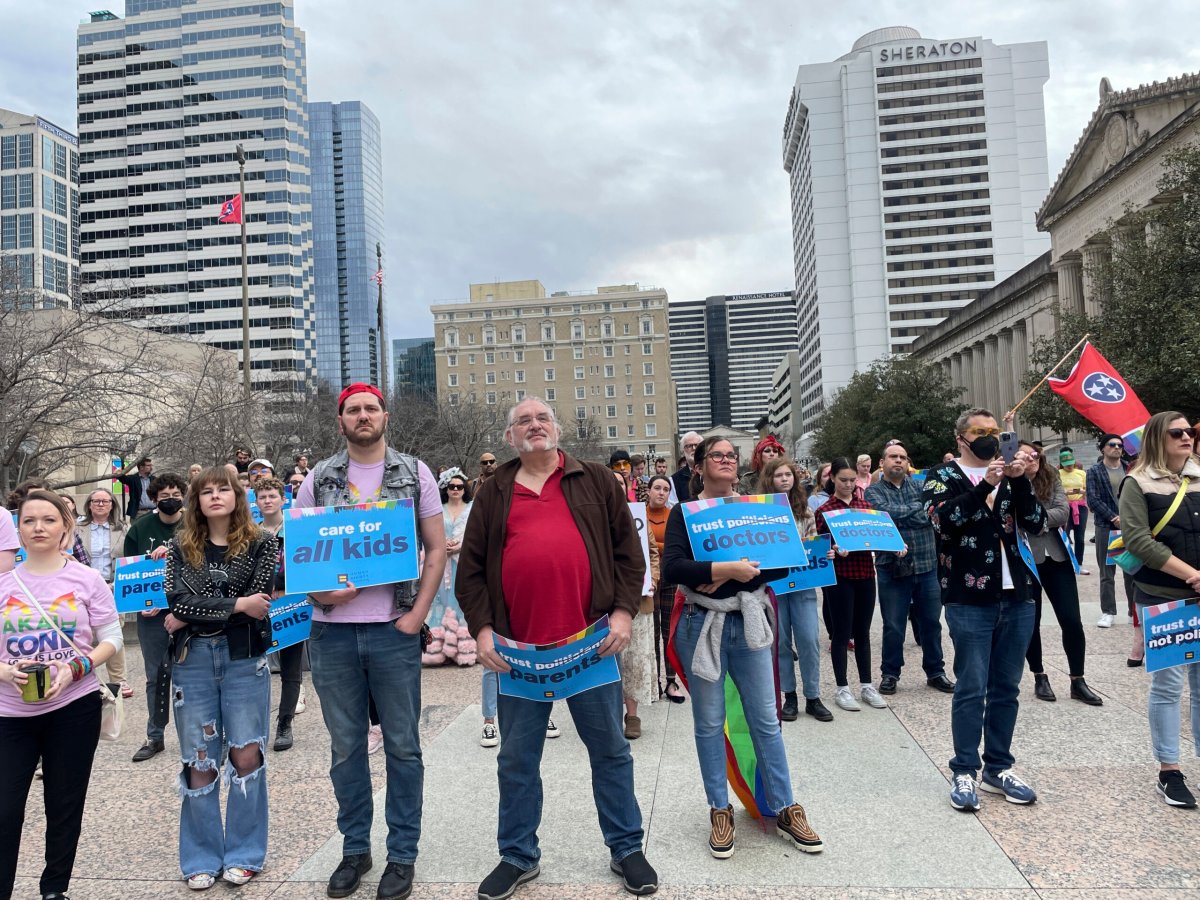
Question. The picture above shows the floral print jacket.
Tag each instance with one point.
(971, 535)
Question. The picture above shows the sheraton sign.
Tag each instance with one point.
(927, 51)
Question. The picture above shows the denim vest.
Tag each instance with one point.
(401, 481)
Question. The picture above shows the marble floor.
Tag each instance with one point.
(873, 782)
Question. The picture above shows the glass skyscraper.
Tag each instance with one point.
(165, 97)
(347, 170)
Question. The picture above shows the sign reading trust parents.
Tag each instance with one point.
(758, 527)
(329, 547)
(864, 529)
(291, 620)
(138, 583)
(550, 672)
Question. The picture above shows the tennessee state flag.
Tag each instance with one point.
(231, 210)
(1098, 393)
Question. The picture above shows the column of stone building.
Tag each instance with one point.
(1070, 284)
(956, 370)
(978, 379)
(991, 368)
(1095, 260)
(1008, 387)
(1020, 357)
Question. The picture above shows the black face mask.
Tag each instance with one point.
(168, 506)
(986, 447)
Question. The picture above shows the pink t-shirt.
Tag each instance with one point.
(8, 532)
(77, 598)
(373, 604)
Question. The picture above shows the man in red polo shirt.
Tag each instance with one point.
(550, 548)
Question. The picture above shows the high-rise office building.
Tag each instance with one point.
(39, 212)
(724, 350)
(598, 357)
(165, 97)
(415, 371)
(347, 190)
(916, 168)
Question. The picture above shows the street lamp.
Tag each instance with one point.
(241, 161)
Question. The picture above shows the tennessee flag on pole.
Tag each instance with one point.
(1098, 393)
(231, 210)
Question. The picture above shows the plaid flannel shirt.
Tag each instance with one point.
(907, 509)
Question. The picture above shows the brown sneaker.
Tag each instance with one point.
(633, 727)
(720, 841)
(792, 824)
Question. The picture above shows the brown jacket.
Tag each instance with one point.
(602, 515)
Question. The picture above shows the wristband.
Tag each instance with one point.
(80, 667)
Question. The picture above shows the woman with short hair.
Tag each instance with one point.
(102, 531)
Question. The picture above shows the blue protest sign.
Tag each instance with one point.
(1066, 539)
(1027, 556)
(864, 529)
(550, 672)
(1111, 554)
(291, 620)
(1172, 635)
(818, 572)
(138, 583)
(759, 527)
(20, 550)
(329, 547)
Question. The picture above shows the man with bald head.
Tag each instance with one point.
(551, 547)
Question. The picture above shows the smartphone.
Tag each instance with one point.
(1009, 444)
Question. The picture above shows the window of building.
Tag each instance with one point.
(648, 389)
(629, 431)
(650, 409)
(576, 330)
(518, 356)
(629, 390)
(452, 359)
(610, 390)
(580, 393)
(490, 378)
(489, 358)
(548, 331)
(490, 398)
(647, 368)
(519, 376)
(647, 349)
(651, 430)
(578, 352)
(451, 337)
(548, 354)
(470, 337)
(453, 398)
(610, 411)
(612, 431)
(629, 409)
(647, 326)
(628, 369)
(452, 379)
(581, 412)
(550, 374)
(550, 392)
(579, 373)
(518, 334)
(625, 328)
(520, 396)
(606, 328)
(610, 371)
(470, 359)
(471, 378)
(489, 335)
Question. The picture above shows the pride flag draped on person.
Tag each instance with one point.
(1097, 392)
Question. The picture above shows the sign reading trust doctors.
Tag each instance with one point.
(758, 527)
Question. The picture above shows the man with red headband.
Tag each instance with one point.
(765, 450)
(368, 640)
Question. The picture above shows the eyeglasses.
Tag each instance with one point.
(540, 418)
(101, 502)
(456, 487)
(690, 446)
(489, 462)
(722, 457)
(1116, 444)
(1177, 433)
(980, 431)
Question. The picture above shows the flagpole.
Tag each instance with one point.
(1013, 411)
(241, 159)
(383, 375)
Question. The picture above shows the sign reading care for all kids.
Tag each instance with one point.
(759, 527)
(329, 547)
(864, 529)
(817, 572)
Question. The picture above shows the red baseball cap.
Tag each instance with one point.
(360, 387)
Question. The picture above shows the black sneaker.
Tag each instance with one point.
(638, 875)
(504, 879)
(396, 883)
(791, 707)
(1174, 790)
(283, 735)
(148, 750)
(887, 684)
(346, 877)
(817, 710)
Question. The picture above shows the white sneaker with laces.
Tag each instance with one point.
(300, 704)
(845, 699)
(1105, 621)
(201, 882)
(374, 739)
(552, 729)
(490, 737)
(871, 697)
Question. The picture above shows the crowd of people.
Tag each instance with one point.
(541, 546)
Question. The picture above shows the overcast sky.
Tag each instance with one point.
(590, 143)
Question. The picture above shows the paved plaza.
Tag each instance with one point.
(873, 782)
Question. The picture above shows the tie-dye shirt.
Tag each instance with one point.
(78, 600)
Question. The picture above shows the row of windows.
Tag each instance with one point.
(140, 27)
(934, 297)
(489, 358)
(88, 157)
(16, 151)
(270, 29)
(934, 165)
(150, 46)
(154, 146)
(940, 181)
(156, 65)
(102, 75)
(578, 332)
(942, 247)
(266, 50)
(924, 84)
(54, 275)
(145, 87)
(927, 199)
(949, 65)
(938, 115)
(908, 315)
(256, 9)
(921, 215)
(266, 93)
(968, 278)
(96, 37)
(276, 71)
(86, 59)
(932, 149)
(16, 191)
(913, 134)
(268, 114)
(930, 264)
(16, 232)
(931, 100)
(54, 236)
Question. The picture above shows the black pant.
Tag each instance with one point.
(1079, 533)
(291, 674)
(1058, 582)
(663, 605)
(65, 740)
(851, 606)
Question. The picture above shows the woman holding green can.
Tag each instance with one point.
(49, 696)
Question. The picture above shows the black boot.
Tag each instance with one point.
(1081, 691)
(791, 707)
(1042, 689)
(283, 734)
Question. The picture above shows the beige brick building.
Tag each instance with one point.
(601, 357)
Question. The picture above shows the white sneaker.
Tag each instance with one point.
(1085, 572)
(552, 729)
(491, 737)
(374, 739)
(300, 705)
(1105, 621)
(201, 882)
(871, 697)
(845, 699)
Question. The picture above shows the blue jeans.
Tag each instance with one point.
(989, 658)
(753, 673)
(798, 622)
(1166, 690)
(348, 660)
(491, 690)
(597, 715)
(896, 595)
(221, 702)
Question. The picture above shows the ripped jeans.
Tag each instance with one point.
(221, 704)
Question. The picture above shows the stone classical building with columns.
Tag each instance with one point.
(1113, 169)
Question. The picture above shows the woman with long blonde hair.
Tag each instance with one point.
(220, 574)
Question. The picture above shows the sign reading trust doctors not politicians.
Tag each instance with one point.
(864, 529)
(329, 547)
(758, 527)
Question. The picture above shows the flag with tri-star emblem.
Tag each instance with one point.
(1098, 393)
(231, 210)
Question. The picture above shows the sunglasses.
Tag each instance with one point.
(487, 462)
(455, 487)
(1177, 433)
(980, 431)
(621, 466)
(1118, 444)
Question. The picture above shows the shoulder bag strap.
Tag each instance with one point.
(1172, 509)
(104, 691)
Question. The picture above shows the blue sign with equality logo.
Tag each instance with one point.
(758, 527)
(139, 583)
(864, 529)
(818, 572)
(291, 620)
(1172, 631)
(329, 547)
(549, 672)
